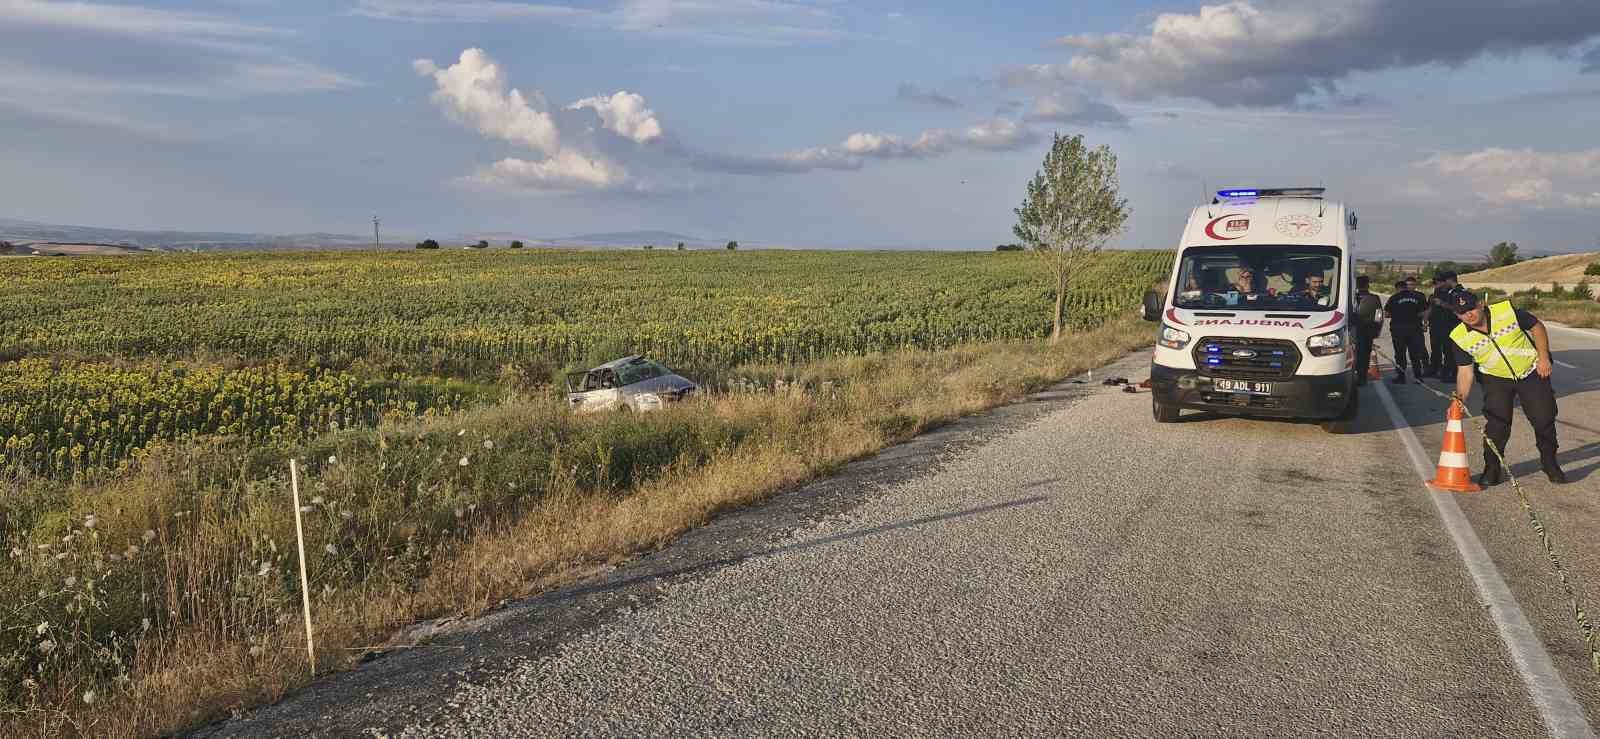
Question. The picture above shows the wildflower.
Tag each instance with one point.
(464, 461)
(266, 567)
(88, 697)
(16, 552)
(332, 459)
(149, 536)
(47, 646)
(330, 549)
(41, 628)
(487, 444)
(89, 521)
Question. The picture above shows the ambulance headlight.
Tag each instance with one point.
(1173, 338)
(1323, 345)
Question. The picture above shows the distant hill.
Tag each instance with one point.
(636, 238)
(1564, 269)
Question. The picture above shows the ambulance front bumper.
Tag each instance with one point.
(1300, 396)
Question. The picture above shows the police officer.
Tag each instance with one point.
(1512, 351)
(1404, 309)
(1369, 324)
(1441, 321)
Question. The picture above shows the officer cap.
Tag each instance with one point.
(1461, 301)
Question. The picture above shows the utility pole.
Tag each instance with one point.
(375, 240)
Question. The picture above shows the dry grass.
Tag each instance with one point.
(413, 533)
(1566, 269)
(1578, 313)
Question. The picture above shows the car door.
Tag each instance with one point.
(600, 392)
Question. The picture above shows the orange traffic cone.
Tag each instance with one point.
(1454, 474)
(1372, 371)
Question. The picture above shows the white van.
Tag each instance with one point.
(1257, 316)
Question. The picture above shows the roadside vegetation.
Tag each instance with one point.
(147, 583)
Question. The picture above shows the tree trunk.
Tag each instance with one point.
(1061, 304)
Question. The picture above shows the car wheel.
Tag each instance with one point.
(1163, 413)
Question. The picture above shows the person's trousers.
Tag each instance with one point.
(1408, 340)
(1363, 355)
(1538, 404)
(1441, 349)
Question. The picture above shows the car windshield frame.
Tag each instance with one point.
(639, 371)
(1208, 277)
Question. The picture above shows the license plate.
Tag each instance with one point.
(1243, 386)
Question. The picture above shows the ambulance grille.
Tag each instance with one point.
(1225, 356)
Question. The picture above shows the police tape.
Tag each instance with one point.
(1579, 615)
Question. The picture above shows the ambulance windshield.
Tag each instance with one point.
(1288, 277)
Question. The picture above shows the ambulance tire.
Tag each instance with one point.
(1163, 413)
(1346, 421)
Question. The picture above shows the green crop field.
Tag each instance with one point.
(106, 355)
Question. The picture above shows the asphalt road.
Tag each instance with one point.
(1063, 566)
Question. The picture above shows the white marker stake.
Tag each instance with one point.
(300, 538)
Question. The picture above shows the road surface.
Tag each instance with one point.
(1062, 566)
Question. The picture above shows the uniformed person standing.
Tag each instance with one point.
(1511, 349)
(1369, 324)
(1441, 321)
(1404, 309)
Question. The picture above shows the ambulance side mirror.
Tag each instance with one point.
(1152, 305)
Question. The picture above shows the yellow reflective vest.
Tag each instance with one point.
(1506, 351)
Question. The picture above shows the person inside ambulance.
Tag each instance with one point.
(1243, 289)
(1511, 349)
(1313, 291)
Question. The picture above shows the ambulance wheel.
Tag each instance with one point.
(1163, 413)
(1346, 421)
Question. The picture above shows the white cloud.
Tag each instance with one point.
(741, 22)
(474, 93)
(997, 134)
(1271, 52)
(122, 19)
(1075, 109)
(566, 171)
(625, 114)
(1524, 178)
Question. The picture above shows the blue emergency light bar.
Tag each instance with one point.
(1251, 193)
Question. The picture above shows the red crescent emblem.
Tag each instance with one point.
(1172, 315)
(1211, 228)
(1337, 316)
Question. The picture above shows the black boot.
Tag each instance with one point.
(1491, 476)
(1552, 468)
(1400, 376)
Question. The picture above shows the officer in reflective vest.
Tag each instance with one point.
(1511, 349)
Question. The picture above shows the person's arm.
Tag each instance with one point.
(1463, 382)
(1541, 341)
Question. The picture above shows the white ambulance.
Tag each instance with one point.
(1257, 317)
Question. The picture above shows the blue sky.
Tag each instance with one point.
(880, 123)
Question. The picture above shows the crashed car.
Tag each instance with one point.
(631, 383)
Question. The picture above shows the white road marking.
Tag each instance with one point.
(1571, 330)
(1560, 711)
(1564, 364)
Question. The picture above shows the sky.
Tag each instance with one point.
(869, 124)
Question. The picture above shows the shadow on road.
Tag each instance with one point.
(1590, 451)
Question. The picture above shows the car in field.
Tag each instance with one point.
(632, 383)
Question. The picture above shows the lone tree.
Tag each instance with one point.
(680, 246)
(1071, 210)
(733, 246)
(483, 244)
(428, 244)
(1503, 254)
(516, 244)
